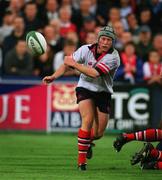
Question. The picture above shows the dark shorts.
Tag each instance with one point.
(102, 100)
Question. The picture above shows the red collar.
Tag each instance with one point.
(93, 49)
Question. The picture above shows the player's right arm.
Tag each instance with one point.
(59, 72)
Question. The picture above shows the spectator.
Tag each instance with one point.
(18, 61)
(90, 38)
(133, 26)
(146, 18)
(7, 26)
(156, 7)
(114, 16)
(3, 9)
(18, 33)
(145, 42)
(130, 70)
(93, 8)
(52, 39)
(73, 36)
(119, 30)
(16, 7)
(82, 13)
(55, 23)
(126, 38)
(157, 44)
(152, 68)
(69, 48)
(65, 18)
(97, 30)
(66, 3)
(86, 8)
(89, 25)
(32, 22)
(43, 63)
(125, 9)
(51, 10)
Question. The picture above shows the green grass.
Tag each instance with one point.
(53, 157)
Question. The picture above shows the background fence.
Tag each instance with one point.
(30, 105)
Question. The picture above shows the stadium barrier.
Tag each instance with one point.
(32, 106)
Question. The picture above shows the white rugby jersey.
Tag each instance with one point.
(106, 64)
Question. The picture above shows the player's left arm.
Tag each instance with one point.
(89, 71)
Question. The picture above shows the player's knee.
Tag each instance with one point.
(87, 123)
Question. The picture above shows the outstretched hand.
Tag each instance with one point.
(48, 79)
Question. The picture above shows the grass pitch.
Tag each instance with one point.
(54, 157)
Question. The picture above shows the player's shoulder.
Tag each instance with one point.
(84, 49)
(115, 54)
(112, 53)
(86, 46)
(115, 51)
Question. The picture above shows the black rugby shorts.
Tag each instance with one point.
(102, 99)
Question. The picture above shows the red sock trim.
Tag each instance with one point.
(159, 134)
(159, 165)
(148, 135)
(83, 145)
(154, 153)
(129, 137)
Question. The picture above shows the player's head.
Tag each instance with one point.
(106, 38)
(107, 31)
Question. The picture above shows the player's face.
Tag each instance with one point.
(104, 44)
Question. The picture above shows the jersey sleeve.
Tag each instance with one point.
(78, 55)
(107, 65)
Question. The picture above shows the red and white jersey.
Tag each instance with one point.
(150, 69)
(106, 64)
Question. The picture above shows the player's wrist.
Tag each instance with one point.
(75, 64)
(54, 77)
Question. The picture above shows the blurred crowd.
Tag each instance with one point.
(68, 24)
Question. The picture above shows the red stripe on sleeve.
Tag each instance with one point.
(104, 70)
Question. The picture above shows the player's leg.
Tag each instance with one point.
(99, 126)
(148, 135)
(149, 157)
(103, 102)
(102, 124)
(87, 110)
(154, 160)
(94, 130)
(158, 165)
(143, 155)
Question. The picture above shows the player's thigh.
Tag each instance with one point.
(87, 109)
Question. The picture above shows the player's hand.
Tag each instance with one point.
(69, 61)
(48, 79)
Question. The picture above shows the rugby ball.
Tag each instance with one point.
(36, 43)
